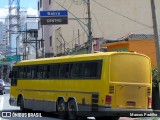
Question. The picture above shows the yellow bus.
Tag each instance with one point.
(111, 82)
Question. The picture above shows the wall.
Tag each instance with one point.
(146, 47)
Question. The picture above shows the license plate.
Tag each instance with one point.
(131, 103)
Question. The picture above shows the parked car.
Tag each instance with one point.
(2, 89)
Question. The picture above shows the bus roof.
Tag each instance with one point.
(36, 61)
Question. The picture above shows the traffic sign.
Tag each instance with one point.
(57, 13)
(54, 20)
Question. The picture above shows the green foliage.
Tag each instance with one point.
(155, 77)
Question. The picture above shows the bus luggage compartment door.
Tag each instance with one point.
(128, 96)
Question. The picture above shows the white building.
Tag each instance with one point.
(111, 19)
(29, 36)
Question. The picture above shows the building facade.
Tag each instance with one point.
(3, 40)
(29, 39)
(110, 20)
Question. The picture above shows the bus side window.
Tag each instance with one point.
(21, 72)
(64, 71)
(53, 71)
(46, 71)
(40, 71)
(33, 71)
(76, 70)
(24, 72)
(28, 72)
(90, 69)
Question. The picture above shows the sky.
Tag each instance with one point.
(29, 5)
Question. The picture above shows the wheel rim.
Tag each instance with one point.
(62, 109)
(72, 110)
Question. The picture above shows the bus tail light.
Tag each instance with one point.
(108, 100)
(149, 102)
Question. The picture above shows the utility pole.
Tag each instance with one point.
(157, 41)
(89, 28)
(42, 43)
(36, 48)
(156, 34)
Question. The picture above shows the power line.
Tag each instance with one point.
(70, 5)
(79, 21)
(98, 23)
(122, 15)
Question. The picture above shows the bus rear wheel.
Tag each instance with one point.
(72, 110)
(62, 109)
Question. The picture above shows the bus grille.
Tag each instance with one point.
(111, 89)
(148, 91)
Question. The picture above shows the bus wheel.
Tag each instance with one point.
(72, 110)
(62, 109)
(21, 104)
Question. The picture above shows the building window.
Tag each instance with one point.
(51, 41)
(49, 2)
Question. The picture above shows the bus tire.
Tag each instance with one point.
(21, 104)
(62, 109)
(72, 110)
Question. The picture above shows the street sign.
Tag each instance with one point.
(8, 58)
(16, 58)
(54, 17)
(54, 20)
(57, 13)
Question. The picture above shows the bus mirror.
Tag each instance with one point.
(10, 74)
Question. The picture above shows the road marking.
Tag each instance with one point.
(1, 104)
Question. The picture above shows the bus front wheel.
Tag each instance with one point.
(21, 104)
